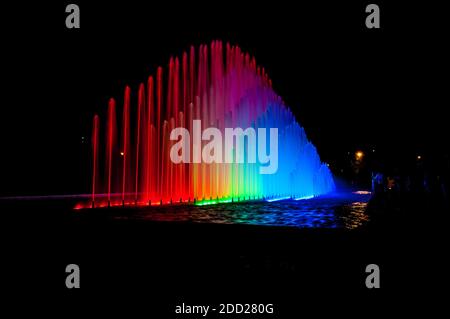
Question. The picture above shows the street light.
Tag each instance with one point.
(359, 155)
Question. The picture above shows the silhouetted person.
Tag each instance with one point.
(377, 183)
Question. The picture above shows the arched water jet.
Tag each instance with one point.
(222, 91)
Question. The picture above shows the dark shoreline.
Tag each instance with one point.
(164, 263)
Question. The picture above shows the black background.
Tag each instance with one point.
(350, 87)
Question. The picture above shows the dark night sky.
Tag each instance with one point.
(349, 87)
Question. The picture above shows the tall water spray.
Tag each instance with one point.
(131, 161)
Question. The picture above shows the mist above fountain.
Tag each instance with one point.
(224, 88)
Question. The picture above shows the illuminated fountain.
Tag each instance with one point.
(131, 161)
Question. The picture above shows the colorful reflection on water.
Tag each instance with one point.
(340, 210)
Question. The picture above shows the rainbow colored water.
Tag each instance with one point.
(222, 87)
